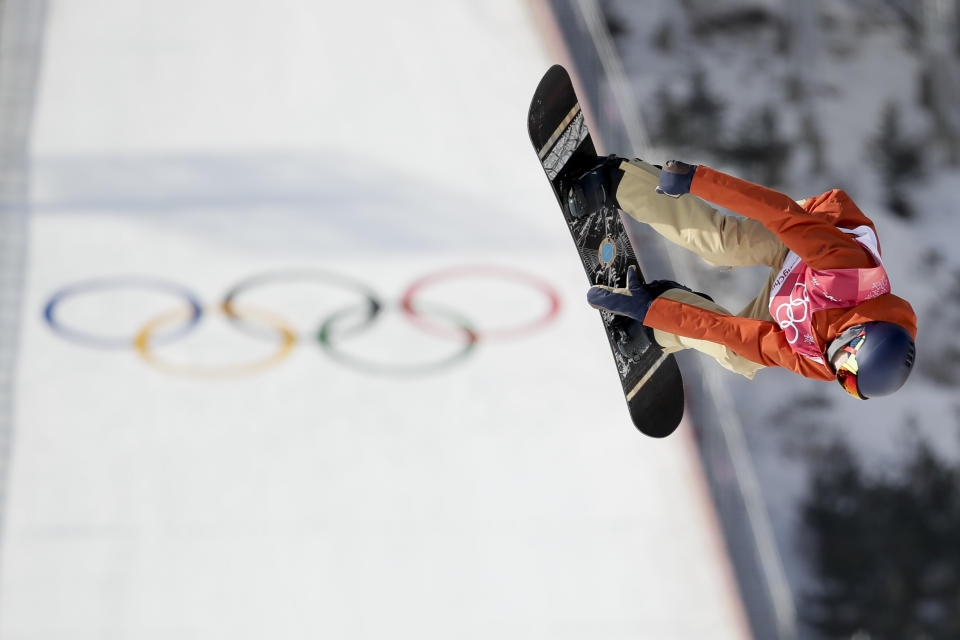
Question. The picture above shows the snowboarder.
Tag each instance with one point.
(826, 311)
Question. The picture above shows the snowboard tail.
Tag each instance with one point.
(651, 380)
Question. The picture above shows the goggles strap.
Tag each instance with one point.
(847, 373)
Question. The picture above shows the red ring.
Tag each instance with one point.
(505, 333)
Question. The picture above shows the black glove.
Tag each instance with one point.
(634, 301)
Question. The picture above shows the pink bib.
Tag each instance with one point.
(800, 291)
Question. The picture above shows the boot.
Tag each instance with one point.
(589, 191)
(659, 287)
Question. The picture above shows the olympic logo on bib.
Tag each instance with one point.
(173, 323)
(786, 315)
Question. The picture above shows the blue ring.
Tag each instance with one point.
(98, 284)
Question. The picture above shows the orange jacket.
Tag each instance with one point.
(813, 232)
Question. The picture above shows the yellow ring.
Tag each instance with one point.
(142, 344)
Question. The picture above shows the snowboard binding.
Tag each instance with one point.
(591, 190)
(633, 338)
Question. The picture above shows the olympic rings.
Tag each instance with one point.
(335, 331)
(785, 315)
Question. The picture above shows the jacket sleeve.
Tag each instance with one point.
(756, 340)
(814, 238)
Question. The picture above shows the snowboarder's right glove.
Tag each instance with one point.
(634, 300)
(676, 177)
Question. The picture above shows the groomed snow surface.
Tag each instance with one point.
(173, 493)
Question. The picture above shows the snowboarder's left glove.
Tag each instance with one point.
(676, 178)
(634, 300)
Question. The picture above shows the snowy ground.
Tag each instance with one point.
(505, 495)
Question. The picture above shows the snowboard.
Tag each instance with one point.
(651, 380)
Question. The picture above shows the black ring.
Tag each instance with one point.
(234, 314)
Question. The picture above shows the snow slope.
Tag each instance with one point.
(504, 496)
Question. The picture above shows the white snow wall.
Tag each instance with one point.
(506, 495)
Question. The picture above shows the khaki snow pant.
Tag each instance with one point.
(721, 240)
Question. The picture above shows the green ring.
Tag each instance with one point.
(324, 338)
